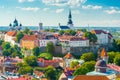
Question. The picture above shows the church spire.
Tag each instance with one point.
(70, 18)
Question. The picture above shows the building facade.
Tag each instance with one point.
(29, 41)
(10, 37)
(102, 36)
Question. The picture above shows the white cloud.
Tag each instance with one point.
(71, 3)
(94, 7)
(75, 12)
(59, 10)
(112, 11)
(29, 8)
(21, 1)
(45, 9)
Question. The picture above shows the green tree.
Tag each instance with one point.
(50, 47)
(61, 32)
(80, 71)
(30, 32)
(26, 30)
(74, 64)
(117, 45)
(85, 68)
(1, 41)
(6, 45)
(50, 73)
(21, 64)
(46, 56)
(52, 30)
(92, 37)
(39, 69)
(19, 36)
(117, 60)
(36, 51)
(70, 32)
(90, 65)
(31, 60)
(6, 53)
(88, 56)
(111, 56)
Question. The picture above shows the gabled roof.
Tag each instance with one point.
(11, 33)
(86, 77)
(30, 37)
(98, 31)
(68, 56)
(103, 53)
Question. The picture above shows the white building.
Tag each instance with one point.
(102, 36)
(67, 60)
(74, 41)
(10, 37)
(43, 42)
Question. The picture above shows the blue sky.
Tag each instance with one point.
(51, 12)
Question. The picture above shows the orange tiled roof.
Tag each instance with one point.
(103, 53)
(98, 31)
(86, 77)
(68, 56)
(29, 37)
(11, 33)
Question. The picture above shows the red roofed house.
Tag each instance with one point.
(29, 41)
(67, 60)
(102, 36)
(72, 41)
(86, 77)
(10, 37)
(45, 63)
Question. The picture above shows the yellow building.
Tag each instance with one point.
(29, 41)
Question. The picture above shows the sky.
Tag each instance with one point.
(99, 13)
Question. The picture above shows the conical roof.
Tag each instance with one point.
(103, 53)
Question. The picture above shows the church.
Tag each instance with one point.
(69, 23)
(15, 25)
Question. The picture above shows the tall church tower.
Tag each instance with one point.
(40, 27)
(70, 22)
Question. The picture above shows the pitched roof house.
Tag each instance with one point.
(29, 41)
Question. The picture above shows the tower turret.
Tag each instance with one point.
(104, 55)
(70, 22)
(15, 23)
(40, 26)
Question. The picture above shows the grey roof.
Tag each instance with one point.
(64, 27)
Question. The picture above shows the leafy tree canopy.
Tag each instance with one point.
(31, 60)
(88, 56)
(46, 56)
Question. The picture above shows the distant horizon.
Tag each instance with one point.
(52, 12)
(57, 26)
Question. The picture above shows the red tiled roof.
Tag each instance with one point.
(98, 31)
(29, 37)
(68, 56)
(42, 60)
(114, 67)
(86, 77)
(11, 33)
